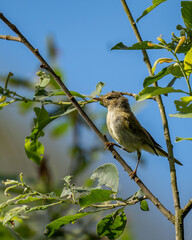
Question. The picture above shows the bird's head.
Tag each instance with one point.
(112, 99)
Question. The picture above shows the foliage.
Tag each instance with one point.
(177, 69)
(102, 197)
(90, 200)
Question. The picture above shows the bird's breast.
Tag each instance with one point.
(118, 127)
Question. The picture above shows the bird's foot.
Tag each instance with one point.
(133, 174)
(108, 145)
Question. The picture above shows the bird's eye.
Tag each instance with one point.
(109, 98)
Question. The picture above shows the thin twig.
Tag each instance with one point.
(12, 38)
(119, 204)
(134, 95)
(187, 208)
(102, 137)
(175, 192)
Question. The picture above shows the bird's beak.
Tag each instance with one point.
(98, 99)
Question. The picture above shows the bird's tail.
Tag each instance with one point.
(161, 152)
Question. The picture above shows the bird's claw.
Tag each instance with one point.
(108, 145)
(133, 174)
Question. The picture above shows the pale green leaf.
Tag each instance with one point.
(107, 175)
(13, 213)
(98, 89)
(44, 79)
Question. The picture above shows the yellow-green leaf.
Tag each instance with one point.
(188, 62)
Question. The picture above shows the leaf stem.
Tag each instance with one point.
(183, 72)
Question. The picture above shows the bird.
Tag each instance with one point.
(127, 131)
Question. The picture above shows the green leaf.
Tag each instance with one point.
(149, 9)
(149, 92)
(112, 226)
(41, 94)
(181, 115)
(98, 89)
(184, 105)
(41, 116)
(107, 175)
(178, 139)
(34, 150)
(152, 79)
(96, 196)
(144, 205)
(173, 69)
(188, 62)
(137, 46)
(120, 46)
(52, 227)
(139, 193)
(186, 10)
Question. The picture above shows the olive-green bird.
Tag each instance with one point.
(124, 127)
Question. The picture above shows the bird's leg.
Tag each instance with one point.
(109, 144)
(133, 174)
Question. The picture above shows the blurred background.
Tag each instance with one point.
(76, 37)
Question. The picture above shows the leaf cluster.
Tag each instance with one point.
(176, 69)
(90, 200)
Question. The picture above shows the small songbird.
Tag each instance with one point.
(124, 127)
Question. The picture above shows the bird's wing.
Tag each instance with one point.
(134, 125)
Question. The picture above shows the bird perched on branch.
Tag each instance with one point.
(124, 127)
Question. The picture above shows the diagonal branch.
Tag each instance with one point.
(175, 192)
(102, 137)
(187, 208)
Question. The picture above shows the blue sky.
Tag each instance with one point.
(84, 32)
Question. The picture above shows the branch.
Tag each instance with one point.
(12, 38)
(175, 192)
(187, 208)
(102, 137)
(119, 204)
(134, 95)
